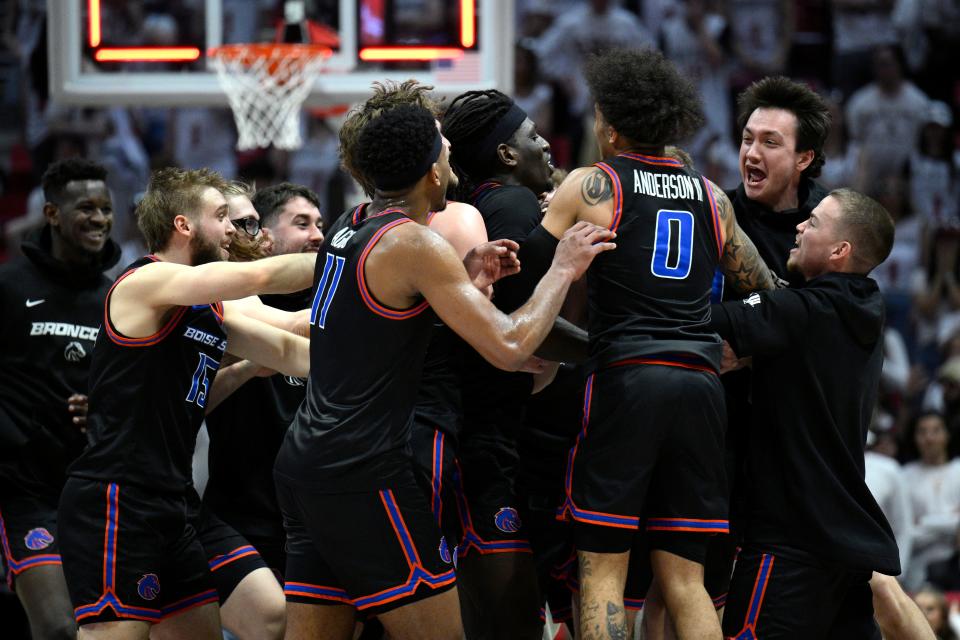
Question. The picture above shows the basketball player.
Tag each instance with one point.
(239, 523)
(437, 415)
(503, 166)
(131, 558)
(654, 397)
(360, 534)
(53, 300)
(813, 533)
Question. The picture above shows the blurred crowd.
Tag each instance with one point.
(887, 67)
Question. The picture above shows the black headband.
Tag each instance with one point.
(397, 181)
(478, 156)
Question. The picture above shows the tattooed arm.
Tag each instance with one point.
(586, 194)
(741, 263)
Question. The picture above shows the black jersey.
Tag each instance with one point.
(817, 355)
(438, 397)
(493, 399)
(352, 430)
(649, 300)
(147, 397)
(246, 431)
(51, 316)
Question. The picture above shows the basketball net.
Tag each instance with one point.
(266, 85)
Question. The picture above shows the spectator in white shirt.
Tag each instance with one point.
(933, 483)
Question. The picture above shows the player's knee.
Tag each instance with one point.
(274, 616)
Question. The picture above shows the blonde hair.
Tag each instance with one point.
(172, 192)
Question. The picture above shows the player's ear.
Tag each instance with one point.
(181, 223)
(842, 250)
(805, 159)
(435, 173)
(52, 214)
(507, 155)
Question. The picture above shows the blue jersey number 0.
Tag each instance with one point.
(672, 245)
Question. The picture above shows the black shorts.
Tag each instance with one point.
(435, 469)
(772, 596)
(650, 455)
(130, 554)
(375, 550)
(230, 556)
(488, 463)
(28, 533)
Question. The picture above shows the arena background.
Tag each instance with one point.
(128, 84)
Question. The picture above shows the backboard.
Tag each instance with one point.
(154, 52)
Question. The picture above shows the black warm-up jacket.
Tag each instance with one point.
(817, 353)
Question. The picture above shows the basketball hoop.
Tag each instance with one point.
(266, 85)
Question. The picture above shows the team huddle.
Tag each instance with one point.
(451, 418)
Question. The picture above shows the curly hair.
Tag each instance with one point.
(643, 96)
(269, 201)
(469, 119)
(386, 95)
(812, 113)
(172, 192)
(397, 142)
(58, 174)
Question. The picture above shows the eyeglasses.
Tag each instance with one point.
(250, 226)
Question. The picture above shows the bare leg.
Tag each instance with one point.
(319, 621)
(433, 618)
(257, 608)
(602, 578)
(43, 592)
(118, 630)
(199, 623)
(686, 599)
(897, 614)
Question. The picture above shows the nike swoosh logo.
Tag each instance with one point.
(33, 303)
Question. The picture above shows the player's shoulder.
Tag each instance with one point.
(408, 236)
(456, 210)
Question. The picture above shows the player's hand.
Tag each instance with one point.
(730, 361)
(579, 245)
(488, 262)
(77, 405)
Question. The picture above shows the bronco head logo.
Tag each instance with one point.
(507, 520)
(37, 539)
(445, 554)
(148, 586)
(74, 352)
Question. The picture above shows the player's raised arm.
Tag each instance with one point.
(740, 262)
(505, 340)
(166, 284)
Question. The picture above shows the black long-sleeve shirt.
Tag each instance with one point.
(817, 354)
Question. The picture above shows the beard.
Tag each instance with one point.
(203, 250)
